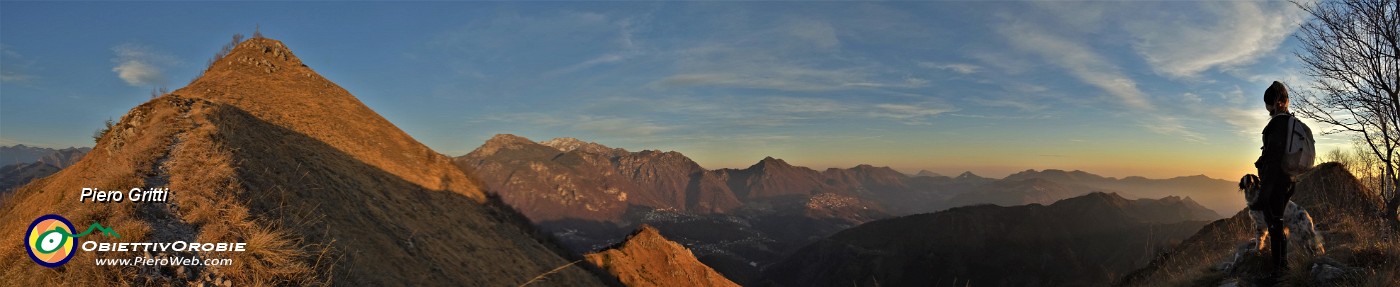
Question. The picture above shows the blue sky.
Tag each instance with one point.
(1116, 88)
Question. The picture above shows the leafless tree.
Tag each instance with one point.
(159, 91)
(1351, 50)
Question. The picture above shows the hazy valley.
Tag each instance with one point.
(741, 221)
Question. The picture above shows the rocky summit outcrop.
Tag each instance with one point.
(1359, 247)
(262, 150)
(1083, 241)
(646, 258)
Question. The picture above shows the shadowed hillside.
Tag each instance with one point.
(262, 150)
(1089, 240)
(15, 175)
(1361, 249)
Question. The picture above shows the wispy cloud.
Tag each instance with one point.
(1244, 121)
(1234, 33)
(1020, 105)
(795, 54)
(960, 68)
(625, 43)
(600, 125)
(141, 66)
(522, 46)
(730, 112)
(16, 67)
(600, 60)
(812, 31)
(1080, 61)
(1073, 54)
(1169, 125)
(913, 114)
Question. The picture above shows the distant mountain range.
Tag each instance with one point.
(17, 174)
(738, 220)
(21, 153)
(1090, 240)
(589, 196)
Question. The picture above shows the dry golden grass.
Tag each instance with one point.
(1355, 236)
(646, 258)
(127, 156)
(323, 190)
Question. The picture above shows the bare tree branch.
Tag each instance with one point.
(1351, 51)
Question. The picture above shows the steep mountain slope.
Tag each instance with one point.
(568, 179)
(646, 258)
(589, 195)
(772, 178)
(1088, 240)
(1361, 248)
(260, 149)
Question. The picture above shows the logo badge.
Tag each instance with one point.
(50, 240)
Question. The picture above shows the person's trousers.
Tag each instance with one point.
(1278, 239)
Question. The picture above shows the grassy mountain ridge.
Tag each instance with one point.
(646, 258)
(262, 150)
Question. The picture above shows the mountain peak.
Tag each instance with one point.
(770, 161)
(258, 123)
(259, 54)
(646, 258)
(568, 144)
(563, 141)
(968, 175)
(925, 172)
(1111, 198)
(646, 231)
(508, 138)
(499, 142)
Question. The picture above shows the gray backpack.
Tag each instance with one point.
(1298, 153)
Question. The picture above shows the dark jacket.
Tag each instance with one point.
(1276, 186)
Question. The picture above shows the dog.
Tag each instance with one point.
(1297, 224)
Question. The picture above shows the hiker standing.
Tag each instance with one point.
(1288, 151)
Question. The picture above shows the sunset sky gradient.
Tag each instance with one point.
(1158, 88)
